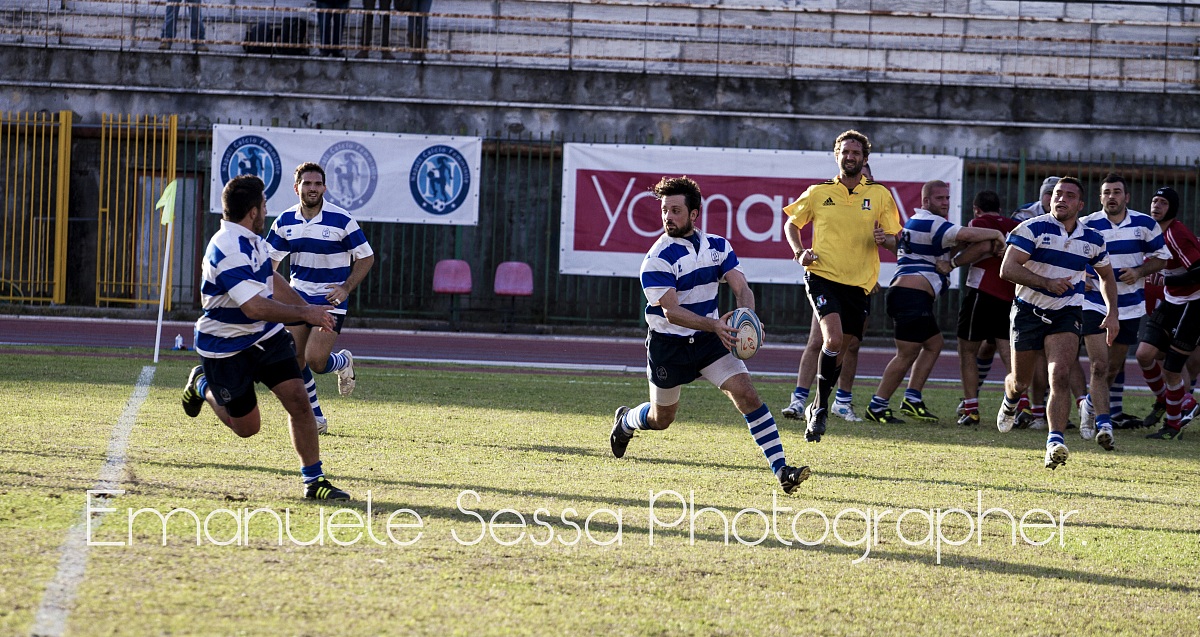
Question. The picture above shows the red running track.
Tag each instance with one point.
(520, 350)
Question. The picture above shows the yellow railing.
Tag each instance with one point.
(137, 161)
(35, 160)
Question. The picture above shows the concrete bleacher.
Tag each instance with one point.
(1134, 45)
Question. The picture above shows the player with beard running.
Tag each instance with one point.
(689, 339)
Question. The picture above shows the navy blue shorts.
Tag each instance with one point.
(1126, 335)
(232, 379)
(912, 312)
(849, 302)
(677, 360)
(1031, 325)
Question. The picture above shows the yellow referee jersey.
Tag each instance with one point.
(844, 228)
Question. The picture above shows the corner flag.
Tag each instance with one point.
(167, 203)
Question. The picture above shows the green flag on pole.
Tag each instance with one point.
(167, 203)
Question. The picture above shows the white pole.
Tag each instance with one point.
(162, 291)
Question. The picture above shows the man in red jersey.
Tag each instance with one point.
(1174, 328)
(986, 304)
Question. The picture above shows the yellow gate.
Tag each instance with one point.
(35, 162)
(137, 161)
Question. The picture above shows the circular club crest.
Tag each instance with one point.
(252, 155)
(440, 180)
(350, 175)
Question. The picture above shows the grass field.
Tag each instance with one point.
(1127, 561)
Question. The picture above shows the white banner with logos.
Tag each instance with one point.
(610, 217)
(384, 177)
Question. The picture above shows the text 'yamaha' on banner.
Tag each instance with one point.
(385, 177)
(610, 217)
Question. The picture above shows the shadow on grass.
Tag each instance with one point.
(602, 529)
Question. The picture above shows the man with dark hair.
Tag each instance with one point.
(240, 337)
(688, 338)
(1046, 258)
(921, 269)
(1135, 250)
(1173, 330)
(985, 307)
(328, 258)
(851, 217)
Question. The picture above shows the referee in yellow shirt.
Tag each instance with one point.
(852, 216)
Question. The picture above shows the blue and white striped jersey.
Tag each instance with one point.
(925, 239)
(321, 249)
(1055, 254)
(1129, 244)
(694, 267)
(236, 268)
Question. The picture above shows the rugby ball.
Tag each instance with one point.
(749, 332)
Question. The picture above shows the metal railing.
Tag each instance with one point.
(35, 162)
(520, 203)
(1147, 46)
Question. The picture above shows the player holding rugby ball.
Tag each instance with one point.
(688, 338)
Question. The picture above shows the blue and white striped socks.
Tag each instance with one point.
(766, 435)
(635, 418)
(312, 472)
(1116, 394)
(335, 363)
(310, 386)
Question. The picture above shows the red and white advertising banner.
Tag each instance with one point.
(610, 217)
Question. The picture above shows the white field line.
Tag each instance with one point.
(55, 610)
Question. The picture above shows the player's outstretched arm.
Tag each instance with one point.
(972, 252)
(285, 294)
(261, 308)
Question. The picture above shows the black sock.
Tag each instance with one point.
(827, 377)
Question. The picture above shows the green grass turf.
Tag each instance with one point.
(418, 437)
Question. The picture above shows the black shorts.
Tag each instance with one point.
(1126, 335)
(1031, 325)
(232, 379)
(983, 317)
(1173, 325)
(850, 302)
(677, 360)
(912, 312)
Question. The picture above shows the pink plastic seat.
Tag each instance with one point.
(452, 276)
(514, 278)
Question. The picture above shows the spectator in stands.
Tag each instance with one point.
(418, 25)
(330, 24)
(385, 27)
(196, 25)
